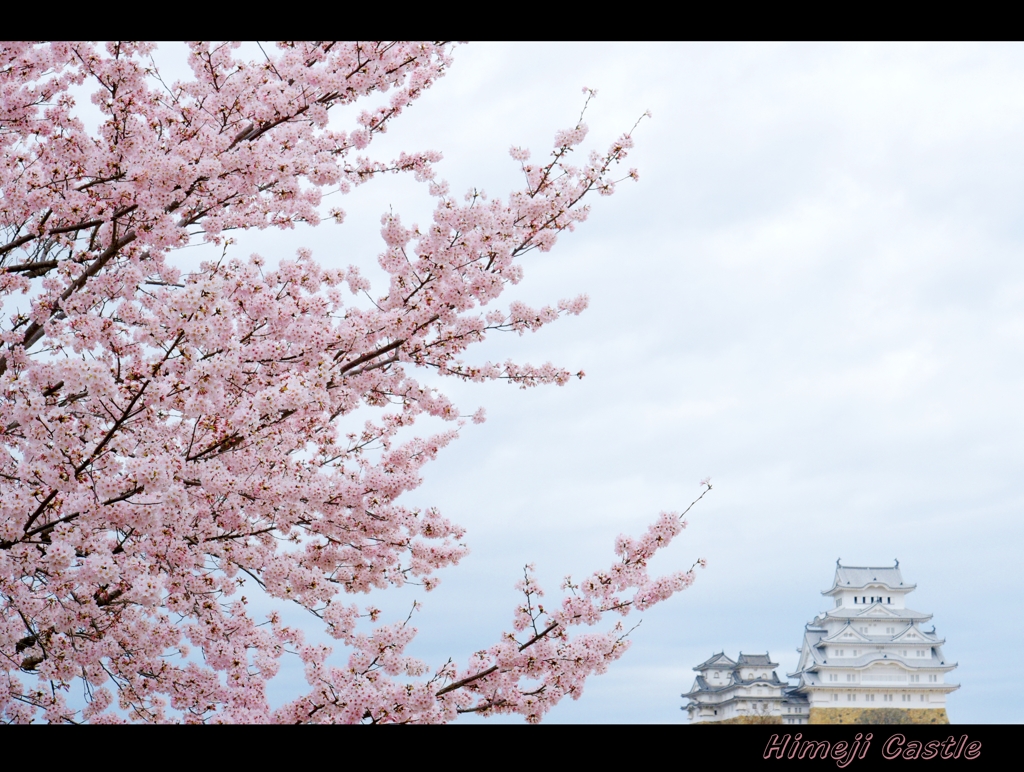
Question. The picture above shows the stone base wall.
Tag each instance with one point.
(878, 716)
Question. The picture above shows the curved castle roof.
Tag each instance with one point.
(858, 577)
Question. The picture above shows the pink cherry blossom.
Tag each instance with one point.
(170, 441)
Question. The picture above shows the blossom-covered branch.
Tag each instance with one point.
(167, 439)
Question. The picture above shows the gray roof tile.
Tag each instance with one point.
(756, 660)
(860, 576)
(716, 660)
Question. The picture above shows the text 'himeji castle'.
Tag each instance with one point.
(866, 660)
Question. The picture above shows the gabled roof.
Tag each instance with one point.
(717, 660)
(878, 611)
(918, 636)
(856, 577)
(699, 686)
(845, 634)
(756, 660)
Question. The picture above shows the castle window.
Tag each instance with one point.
(835, 697)
(888, 599)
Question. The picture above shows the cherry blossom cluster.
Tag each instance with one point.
(170, 441)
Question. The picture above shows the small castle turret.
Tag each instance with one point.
(745, 690)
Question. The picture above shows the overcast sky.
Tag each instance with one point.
(813, 295)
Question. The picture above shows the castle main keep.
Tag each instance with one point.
(866, 659)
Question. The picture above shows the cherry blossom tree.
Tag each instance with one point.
(169, 437)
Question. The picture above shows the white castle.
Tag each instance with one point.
(745, 689)
(869, 652)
